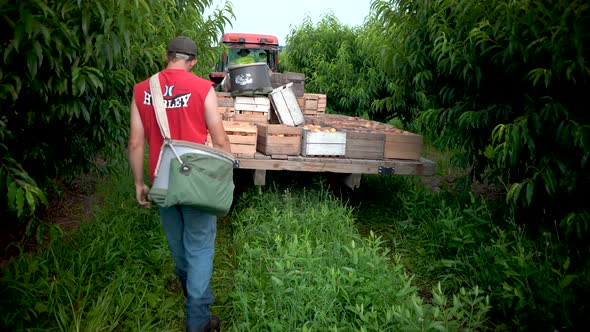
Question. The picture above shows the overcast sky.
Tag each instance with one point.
(277, 17)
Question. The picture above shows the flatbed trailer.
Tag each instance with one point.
(342, 151)
(350, 169)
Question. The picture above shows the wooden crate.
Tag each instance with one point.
(364, 144)
(322, 143)
(301, 102)
(361, 143)
(340, 120)
(315, 120)
(278, 139)
(401, 144)
(254, 104)
(242, 137)
(285, 106)
(323, 120)
(398, 144)
(297, 80)
(252, 109)
(224, 99)
(314, 104)
(250, 116)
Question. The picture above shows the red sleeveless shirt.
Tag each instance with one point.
(184, 96)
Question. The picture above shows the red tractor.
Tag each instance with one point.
(245, 48)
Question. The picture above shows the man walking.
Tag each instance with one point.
(191, 108)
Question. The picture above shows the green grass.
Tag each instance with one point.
(224, 266)
(461, 240)
(303, 266)
(115, 273)
(293, 257)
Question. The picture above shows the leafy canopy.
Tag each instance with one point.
(504, 82)
(67, 69)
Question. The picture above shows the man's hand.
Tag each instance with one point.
(135, 152)
(142, 195)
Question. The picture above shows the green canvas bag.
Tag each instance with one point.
(189, 173)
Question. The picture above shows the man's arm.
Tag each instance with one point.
(136, 156)
(215, 124)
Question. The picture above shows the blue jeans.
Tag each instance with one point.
(191, 238)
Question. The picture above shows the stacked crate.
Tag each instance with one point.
(225, 105)
(364, 144)
(278, 140)
(400, 144)
(242, 137)
(252, 109)
(397, 143)
(285, 106)
(314, 104)
(323, 141)
(298, 80)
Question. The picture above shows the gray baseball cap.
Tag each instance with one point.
(183, 45)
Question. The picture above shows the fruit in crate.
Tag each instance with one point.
(239, 128)
(311, 127)
(318, 128)
(395, 131)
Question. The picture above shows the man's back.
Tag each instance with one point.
(184, 97)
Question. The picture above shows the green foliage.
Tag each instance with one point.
(301, 266)
(116, 273)
(23, 195)
(67, 70)
(337, 61)
(295, 261)
(505, 82)
(462, 241)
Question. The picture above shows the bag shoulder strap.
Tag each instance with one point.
(161, 117)
(159, 106)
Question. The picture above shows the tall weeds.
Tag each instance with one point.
(396, 257)
(114, 274)
(460, 240)
(301, 265)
